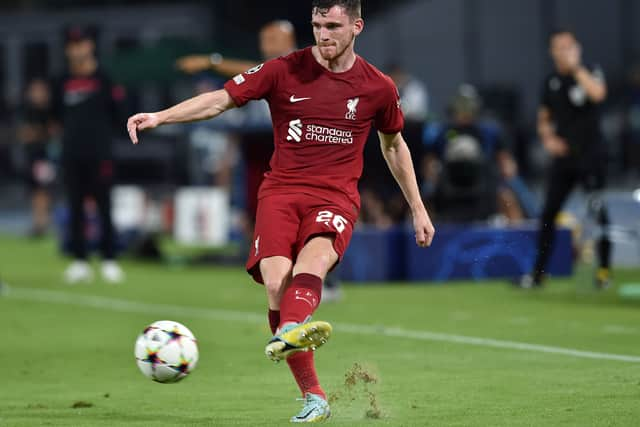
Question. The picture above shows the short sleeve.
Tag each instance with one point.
(256, 83)
(389, 118)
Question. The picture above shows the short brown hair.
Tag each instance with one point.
(352, 7)
(560, 32)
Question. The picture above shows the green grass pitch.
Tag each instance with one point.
(400, 355)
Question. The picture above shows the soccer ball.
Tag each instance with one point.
(166, 351)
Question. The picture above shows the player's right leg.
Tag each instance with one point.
(75, 180)
(561, 182)
(600, 215)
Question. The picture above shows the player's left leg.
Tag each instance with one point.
(562, 180)
(301, 298)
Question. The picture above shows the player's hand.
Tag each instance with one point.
(193, 63)
(139, 122)
(423, 227)
(556, 146)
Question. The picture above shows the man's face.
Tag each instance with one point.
(79, 51)
(565, 51)
(334, 31)
(38, 93)
(276, 41)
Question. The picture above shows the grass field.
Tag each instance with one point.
(407, 352)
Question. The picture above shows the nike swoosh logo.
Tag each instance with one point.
(302, 417)
(293, 99)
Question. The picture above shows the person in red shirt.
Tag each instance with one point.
(323, 100)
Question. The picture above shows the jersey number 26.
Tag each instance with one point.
(338, 222)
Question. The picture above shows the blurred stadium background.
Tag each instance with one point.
(474, 355)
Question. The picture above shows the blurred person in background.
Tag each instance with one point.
(34, 132)
(631, 130)
(382, 203)
(467, 168)
(414, 96)
(86, 104)
(276, 38)
(211, 155)
(324, 100)
(569, 129)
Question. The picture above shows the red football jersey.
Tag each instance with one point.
(321, 121)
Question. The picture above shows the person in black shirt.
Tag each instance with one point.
(569, 128)
(85, 103)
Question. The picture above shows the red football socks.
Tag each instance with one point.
(274, 320)
(301, 364)
(299, 301)
(301, 298)
(303, 369)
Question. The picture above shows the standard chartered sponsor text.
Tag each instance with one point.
(329, 135)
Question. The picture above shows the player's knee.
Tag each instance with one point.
(318, 265)
(275, 284)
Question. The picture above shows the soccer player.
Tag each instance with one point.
(323, 101)
(568, 126)
(277, 38)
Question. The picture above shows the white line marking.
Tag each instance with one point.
(166, 310)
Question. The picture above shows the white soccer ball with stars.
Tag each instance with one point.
(166, 351)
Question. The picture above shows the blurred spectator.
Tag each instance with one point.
(631, 134)
(276, 38)
(468, 171)
(414, 96)
(34, 133)
(86, 105)
(373, 210)
(211, 153)
(382, 202)
(569, 129)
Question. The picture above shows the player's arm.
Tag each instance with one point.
(398, 158)
(201, 107)
(593, 84)
(555, 145)
(225, 66)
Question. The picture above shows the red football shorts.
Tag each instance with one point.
(286, 222)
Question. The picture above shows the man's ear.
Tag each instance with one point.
(358, 26)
